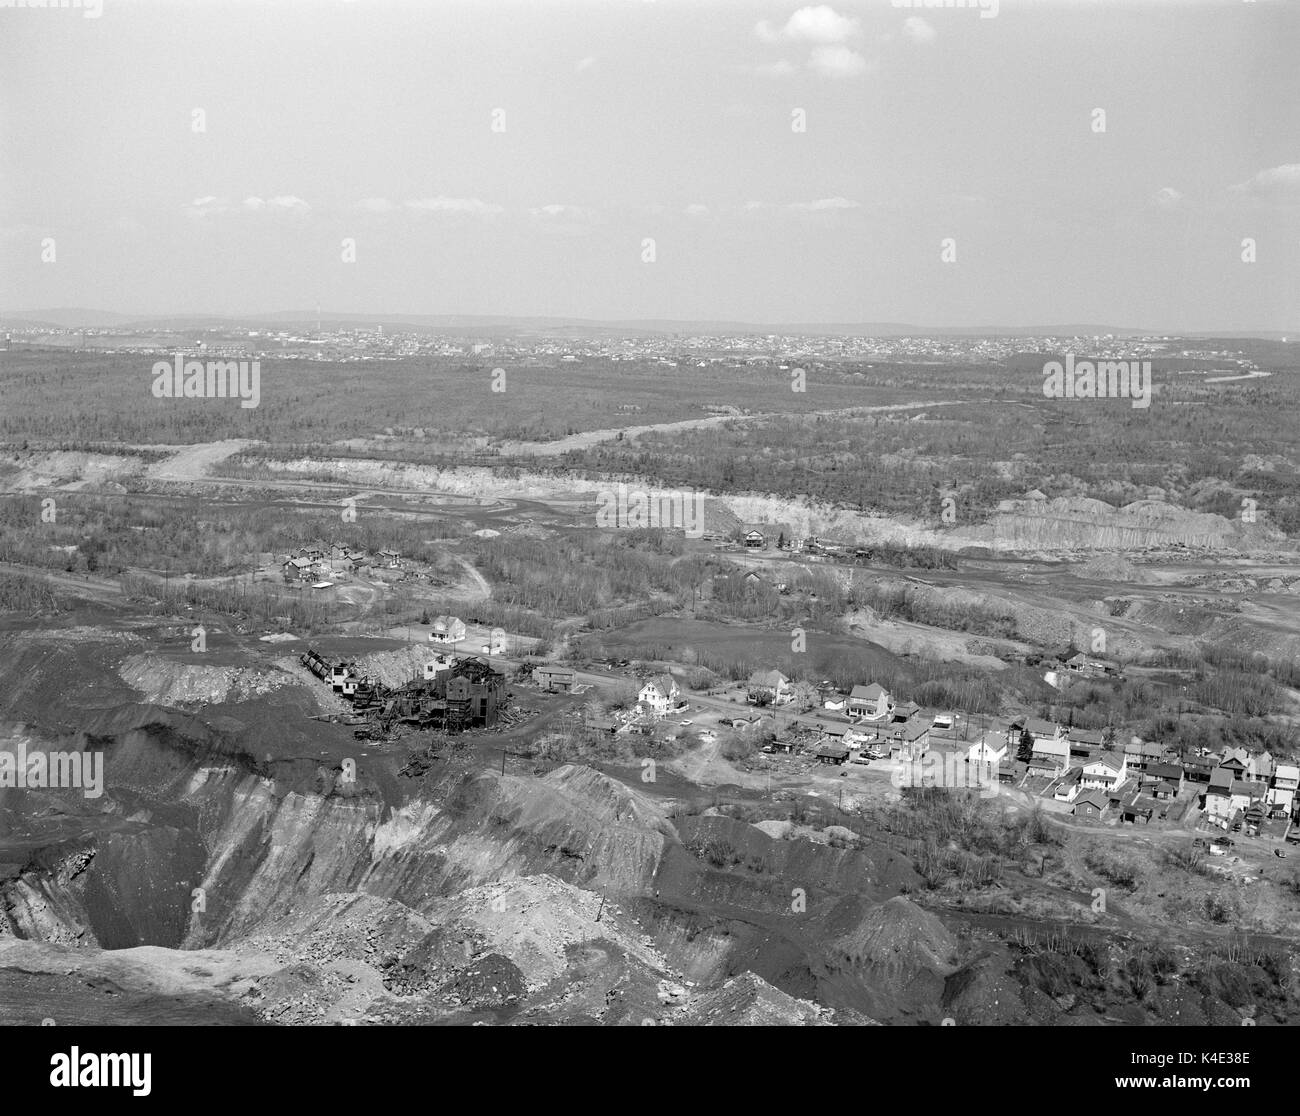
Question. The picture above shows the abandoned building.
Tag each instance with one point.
(451, 696)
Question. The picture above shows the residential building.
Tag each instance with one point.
(769, 687)
(1164, 780)
(1281, 795)
(1038, 728)
(1069, 786)
(660, 694)
(1091, 804)
(447, 629)
(1104, 771)
(832, 753)
(873, 702)
(1051, 756)
(990, 748)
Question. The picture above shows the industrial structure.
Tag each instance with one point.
(452, 695)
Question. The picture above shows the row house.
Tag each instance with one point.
(1228, 794)
(1038, 728)
(1281, 795)
(1163, 780)
(1086, 743)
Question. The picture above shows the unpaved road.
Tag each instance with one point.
(588, 438)
(194, 462)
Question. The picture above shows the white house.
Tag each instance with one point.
(1105, 771)
(769, 687)
(447, 629)
(990, 748)
(873, 702)
(659, 694)
(436, 666)
(1067, 790)
(1286, 780)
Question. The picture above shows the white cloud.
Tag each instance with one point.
(918, 30)
(1167, 197)
(376, 205)
(696, 210)
(202, 207)
(819, 24)
(837, 62)
(779, 68)
(284, 203)
(585, 63)
(472, 207)
(821, 205)
(1279, 183)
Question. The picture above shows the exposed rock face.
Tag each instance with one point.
(749, 1001)
(1078, 523)
(168, 682)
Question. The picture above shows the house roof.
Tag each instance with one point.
(1170, 771)
(1059, 747)
(869, 693)
(914, 731)
(772, 678)
(663, 683)
(833, 751)
(1109, 762)
(1087, 736)
(1221, 779)
(1092, 798)
(1040, 727)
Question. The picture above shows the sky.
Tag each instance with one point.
(650, 159)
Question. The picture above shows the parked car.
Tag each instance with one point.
(1279, 852)
(685, 723)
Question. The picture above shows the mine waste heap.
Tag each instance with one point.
(454, 694)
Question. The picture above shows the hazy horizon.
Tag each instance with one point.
(512, 160)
